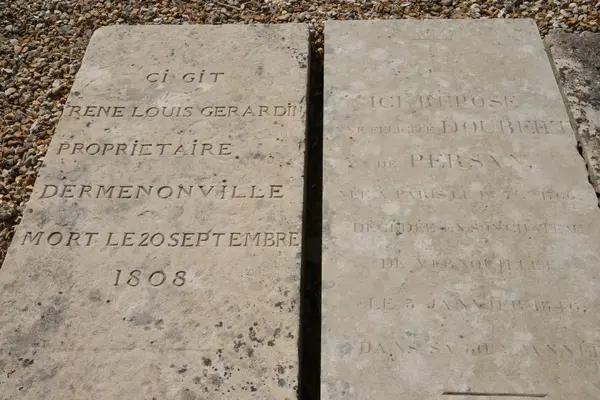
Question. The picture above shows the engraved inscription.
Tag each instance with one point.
(478, 305)
(468, 265)
(555, 351)
(208, 238)
(400, 228)
(137, 148)
(495, 394)
(457, 194)
(430, 39)
(452, 160)
(382, 129)
(273, 110)
(450, 101)
(164, 192)
(518, 127)
(201, 76)
(479, 126)
(156, 278)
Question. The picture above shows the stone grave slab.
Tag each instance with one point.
(159, 256)
(460, 232)
(577, 59)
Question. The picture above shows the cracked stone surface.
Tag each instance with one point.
(577, 64)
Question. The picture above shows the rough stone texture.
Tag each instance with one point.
(577, 62)
(458, 263)
(42, 43)
(213, 231)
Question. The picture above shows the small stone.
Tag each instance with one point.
(7, 211)
(9, 28)
(35, 126)
(10, 91)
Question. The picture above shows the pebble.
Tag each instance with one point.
(7, 211)
(44, 41)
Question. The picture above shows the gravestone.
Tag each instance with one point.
(577, 63)
(159, 256)
(460, 232)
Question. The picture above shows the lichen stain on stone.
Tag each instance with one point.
(280, 376)
(173, 335)
(301, 57)
(252, 334)
(26, 362)
(141, 319)
(340, 389)
(344, 349)
(216, 379)
(95, 295)
(187, 394)
(50, 319)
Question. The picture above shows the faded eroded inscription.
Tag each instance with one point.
(459, 234)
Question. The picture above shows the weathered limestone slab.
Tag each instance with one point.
(460, 233)
(577, 59)
(159, 257)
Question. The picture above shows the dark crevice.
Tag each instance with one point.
(587, 168)
(587, 165)
(310, 288)
(559, 77)
(580, 151)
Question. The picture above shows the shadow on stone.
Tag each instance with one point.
(310, 313)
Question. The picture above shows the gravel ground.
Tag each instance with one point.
(42, 43)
